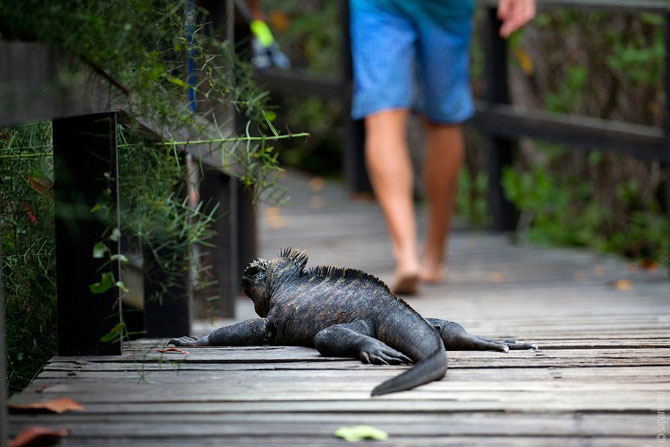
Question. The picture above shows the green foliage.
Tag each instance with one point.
(471, 199)
(565, 211)
(27, 248)
(602, 65)
(568, 97)
(309, 32)
(141, 47)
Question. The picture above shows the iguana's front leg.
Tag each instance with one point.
(247, 333)
(356, 339)
(456, 338)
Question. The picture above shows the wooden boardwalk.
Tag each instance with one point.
(600, 379)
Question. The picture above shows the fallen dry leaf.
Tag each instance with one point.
(38, 436)
(316, 203)
(40, 185)
(55, 406)
(316, 184)
(167, 350)
(279, 21)
(623, 284)
(29, 213)
(496, 277)
(648, 264)
(274, 217)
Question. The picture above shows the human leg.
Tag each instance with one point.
(390, 170)
(444, 154)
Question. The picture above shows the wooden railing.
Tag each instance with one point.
(85, 117)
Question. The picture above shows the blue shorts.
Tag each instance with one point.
(412, 54)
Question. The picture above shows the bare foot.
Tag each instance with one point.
(432, 275)
(405, 283)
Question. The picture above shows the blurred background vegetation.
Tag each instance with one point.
(583, 62)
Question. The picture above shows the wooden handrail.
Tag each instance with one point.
(632, 6)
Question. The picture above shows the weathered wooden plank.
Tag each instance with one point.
(273, 424)
(360, 402)
(596, 381)
(331, 441)
(458, 376)
(41, 83)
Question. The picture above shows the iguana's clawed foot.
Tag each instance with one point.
(381, 354)
(184, 341)
(502, 346)
(514, 345)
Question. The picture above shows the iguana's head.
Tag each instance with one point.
(262, 276)
(257, 284)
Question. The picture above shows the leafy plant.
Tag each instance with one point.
(143, 48)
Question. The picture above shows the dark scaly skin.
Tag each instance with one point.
(344, 312)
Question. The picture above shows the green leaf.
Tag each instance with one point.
(122, 286)
(360, 432)
(104, 285)
(114, 334)
(116, 234)
(269, 115)
(96, 207)
(99, 250)
(121, 258)
(179, 82)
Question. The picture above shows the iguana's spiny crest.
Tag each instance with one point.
(262, 276)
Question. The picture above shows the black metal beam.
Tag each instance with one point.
(500, 148)
(292, 83)
(220, 191)
(247, 232)
(85, 174)
(506, 121)
(168, 291)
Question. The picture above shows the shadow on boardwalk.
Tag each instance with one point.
(600, 378)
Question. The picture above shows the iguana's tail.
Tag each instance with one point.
(426, 370)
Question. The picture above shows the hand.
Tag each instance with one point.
(514, 14)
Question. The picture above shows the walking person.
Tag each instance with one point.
(415, 54)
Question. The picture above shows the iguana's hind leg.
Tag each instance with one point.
(247, 333)
(356, 339)
(456, 338)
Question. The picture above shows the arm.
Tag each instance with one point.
(514, 14)
(247, 333)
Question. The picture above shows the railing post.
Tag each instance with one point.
(168, 292)
(247, 248)
(666, 122)
(216, 188)
(501, 150)
(85, 174)
(354, 144)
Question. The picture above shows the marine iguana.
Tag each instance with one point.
(344, 312)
